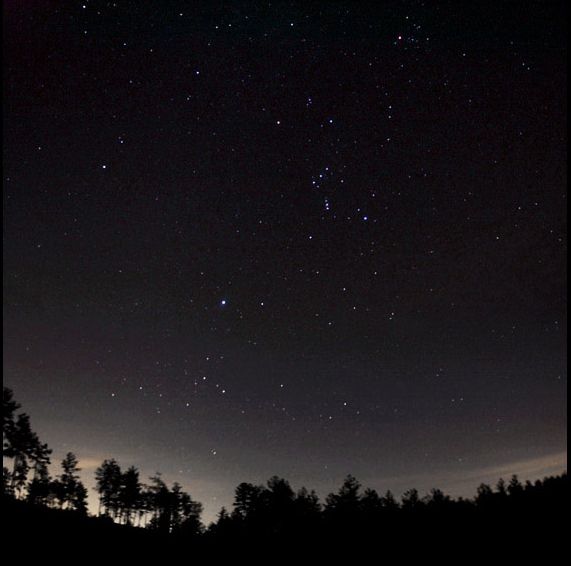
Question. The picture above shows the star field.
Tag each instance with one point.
(291, 239)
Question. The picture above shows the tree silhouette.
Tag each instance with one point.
(389, 502)
(371, 504)
(438, 501)
(7, 482)
(21, 444)
(515, 489)
(9, 407)
(146, 505)
(108, 478)
(346, 501)
(484, 496)
(40, 456)
(173, 510)
(176, 503)
(307, 504)
(410, 500)
(248, 501)
(70, 490)
(274, 513)
(223, 527)
(160, 502)
(185, 515)
(20, 475)
(130, 493)
(39, 490)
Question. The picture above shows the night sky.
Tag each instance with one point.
(294, 238)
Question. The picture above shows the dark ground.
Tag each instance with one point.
(534, 535)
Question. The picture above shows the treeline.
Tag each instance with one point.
(156, 506)
(22, 445)
(122, 496)
(276, 512)
(260, 512)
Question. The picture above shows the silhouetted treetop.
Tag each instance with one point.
(270, 512)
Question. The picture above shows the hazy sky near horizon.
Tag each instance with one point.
(292, 239)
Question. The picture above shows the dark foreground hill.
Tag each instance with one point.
(46, 517)
(529, 528)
